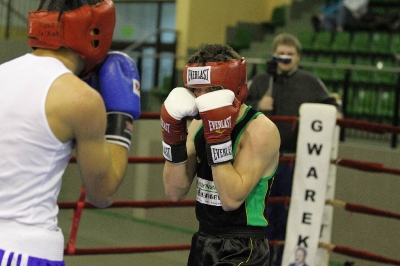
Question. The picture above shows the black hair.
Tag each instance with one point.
(65, 5)
(213, 53)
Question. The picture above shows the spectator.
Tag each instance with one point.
(327, 15)
(335, 15)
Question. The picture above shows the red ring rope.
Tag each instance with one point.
(358, 254)
(362, 209)
(121, 250)
(148, 204)
(366, 166)
(345, 123)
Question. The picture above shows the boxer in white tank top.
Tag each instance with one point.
(47, 111)
(34, 159)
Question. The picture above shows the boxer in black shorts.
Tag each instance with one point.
(231, 149)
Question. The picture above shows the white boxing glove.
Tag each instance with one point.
(180, 103)
(178, 106)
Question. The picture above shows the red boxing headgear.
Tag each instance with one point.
(231, 75)
(87, 31)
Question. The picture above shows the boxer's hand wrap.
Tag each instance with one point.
(175, 153)
(119, 128)
(118, 82)
(178, 106)
(219, 111)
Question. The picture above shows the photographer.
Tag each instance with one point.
(280, 91)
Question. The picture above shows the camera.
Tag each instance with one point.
(286, 59)
(272, 63)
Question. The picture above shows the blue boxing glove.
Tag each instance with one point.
(117, 80)
(120, 84)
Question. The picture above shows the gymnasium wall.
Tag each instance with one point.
(206, 21)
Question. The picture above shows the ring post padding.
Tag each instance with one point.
(314, 146)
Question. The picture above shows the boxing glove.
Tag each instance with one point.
(219, 111)
(118, 82)
(177, 107)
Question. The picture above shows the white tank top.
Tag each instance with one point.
(32, 159)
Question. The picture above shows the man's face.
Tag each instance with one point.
(299, 256)
(290, 51)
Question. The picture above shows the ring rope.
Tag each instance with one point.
(368, 126)
(346, 123)
(148, 204)
(358, 253)
(122, 250)
(366, 166)
(149, 115)
(160, 159)
(362, 209)
(135, 159)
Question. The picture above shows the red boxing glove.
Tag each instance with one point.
(178, 106)
(219, 111)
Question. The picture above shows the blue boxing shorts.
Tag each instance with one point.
(29, 245)
(8, 258)
(229, 246)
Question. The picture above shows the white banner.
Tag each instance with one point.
(314, 146)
